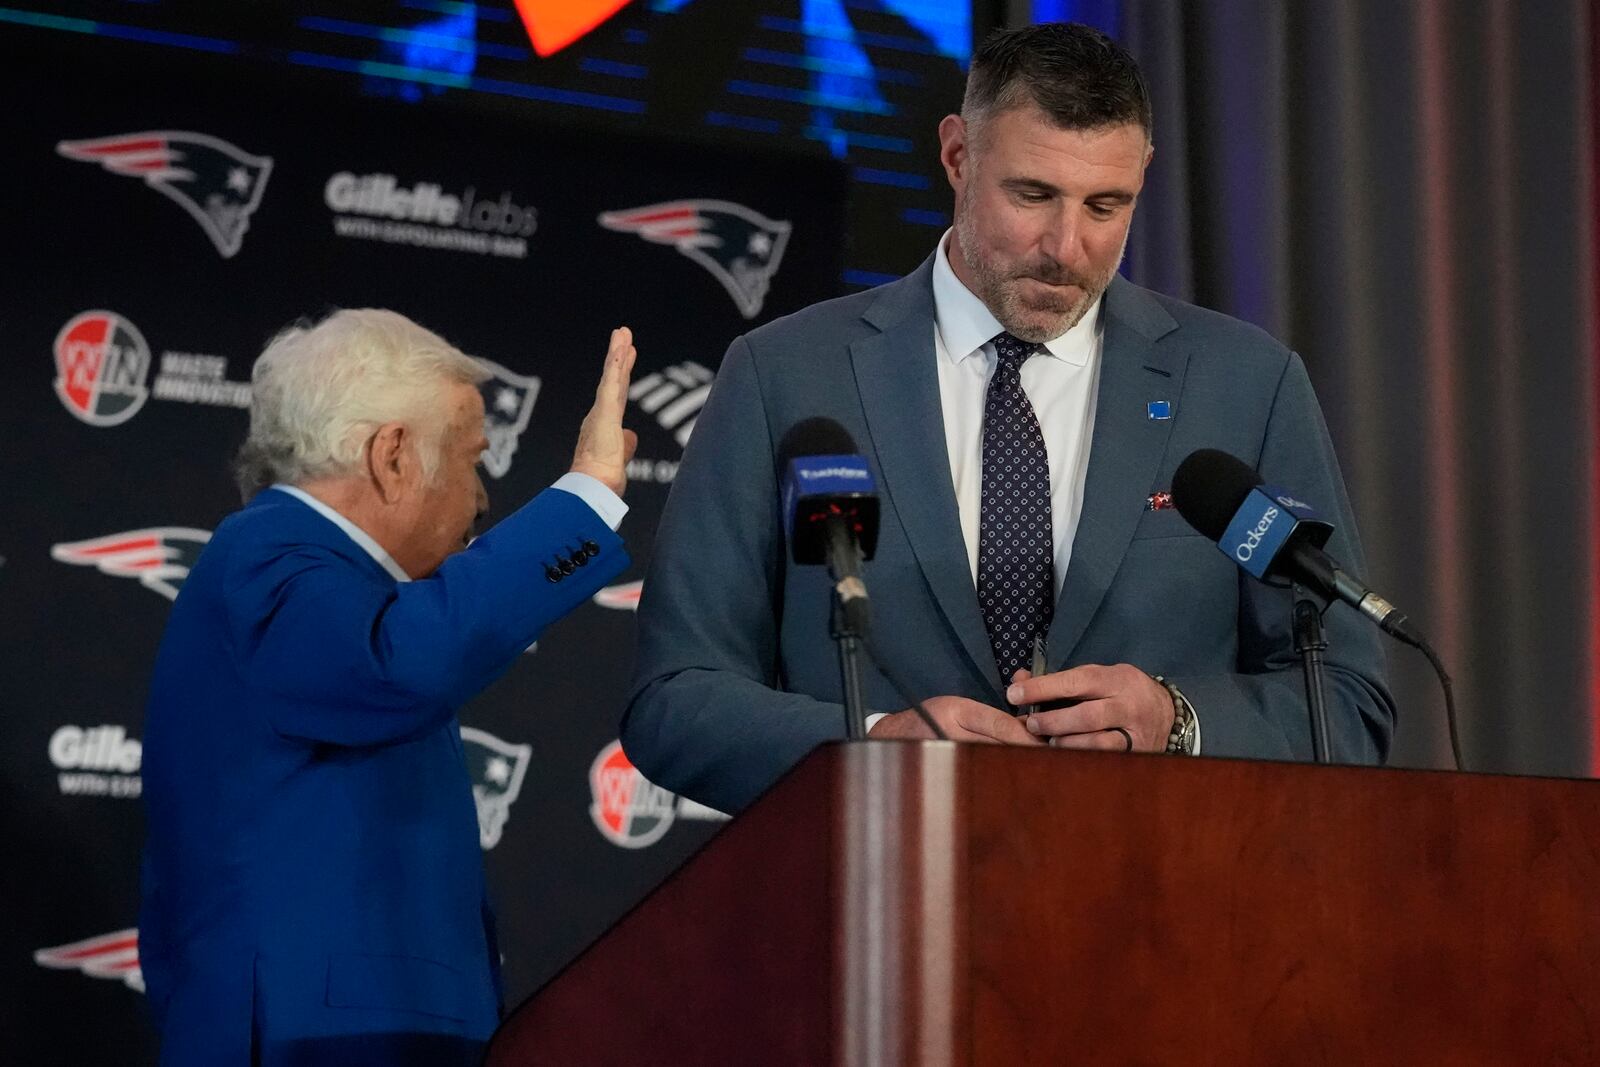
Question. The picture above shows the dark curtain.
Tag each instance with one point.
(1404, 194)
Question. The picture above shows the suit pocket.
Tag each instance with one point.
(1163, 523)
(398, 983)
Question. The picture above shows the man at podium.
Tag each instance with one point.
(1023, 410)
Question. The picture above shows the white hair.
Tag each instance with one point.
(318, 391)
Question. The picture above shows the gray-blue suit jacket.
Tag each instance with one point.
(737, 677)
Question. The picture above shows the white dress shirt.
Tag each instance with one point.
(606, 504)
(1060, 381)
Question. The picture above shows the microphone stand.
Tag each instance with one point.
(849, 621)
(1311, 642)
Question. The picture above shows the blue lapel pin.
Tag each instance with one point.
(1159, 409)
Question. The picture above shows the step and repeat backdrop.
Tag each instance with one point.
(163, 221)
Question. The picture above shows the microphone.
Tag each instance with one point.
(830, 502)
(830, 513)
(1270, 533)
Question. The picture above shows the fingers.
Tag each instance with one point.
(1087, 717)
(612, 392)
(969, 736)
(1021, 674)
(962, 720)
(1100, 740)
(604, 447)
(908, 724)
(1125, 699)
(1076, 683)
(630, 356)
(1127, 718)
(994, 724)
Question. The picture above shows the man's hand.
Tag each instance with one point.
(961, 720)
(604, 447)
(1111, 700)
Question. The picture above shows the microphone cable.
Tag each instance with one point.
(1421, 645)
(1210, 488)
(901, 689)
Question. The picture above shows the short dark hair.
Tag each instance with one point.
(1079, 77)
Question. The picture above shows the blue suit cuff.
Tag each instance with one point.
(601, 500)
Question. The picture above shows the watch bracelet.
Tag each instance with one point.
(1182, 717)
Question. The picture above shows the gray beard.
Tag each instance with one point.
(999, 291)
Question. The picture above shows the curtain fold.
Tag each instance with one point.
(1404, 193)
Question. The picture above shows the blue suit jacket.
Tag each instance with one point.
(313, 881)
(737, 677)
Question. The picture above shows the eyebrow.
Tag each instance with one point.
(1034, 185)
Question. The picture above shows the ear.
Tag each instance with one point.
(391, 461)
(953, 151)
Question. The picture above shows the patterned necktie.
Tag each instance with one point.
(1016, 564)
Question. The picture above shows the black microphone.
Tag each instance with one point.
(830, 511)
(1269, 532)
(830, 503)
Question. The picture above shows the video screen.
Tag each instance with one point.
(864, 81)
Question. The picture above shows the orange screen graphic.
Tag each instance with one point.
(554, 24)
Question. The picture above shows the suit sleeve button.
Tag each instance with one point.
(591, 549)
(552, 574)
(566, 566)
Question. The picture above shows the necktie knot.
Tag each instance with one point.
(1013, 351)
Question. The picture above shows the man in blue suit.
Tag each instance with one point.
(313, 884)
(1023, 409)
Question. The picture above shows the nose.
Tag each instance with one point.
(1062, 240)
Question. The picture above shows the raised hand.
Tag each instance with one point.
(604, 447)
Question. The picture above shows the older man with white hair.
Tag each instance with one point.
(313, 886)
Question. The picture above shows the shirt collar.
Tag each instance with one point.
(355, 533)
(966, 324)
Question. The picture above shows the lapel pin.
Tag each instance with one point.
(1161, 501)
(1159, 409)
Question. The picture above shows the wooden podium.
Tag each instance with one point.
(906, 903)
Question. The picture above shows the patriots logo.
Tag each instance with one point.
(497, 769)
(159, 557)
(507, 404)
(624, 597)
(740, 247)
(219, 185)
(114, 955)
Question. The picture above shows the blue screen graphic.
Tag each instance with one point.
(413, 48)
(860, 80)
(863, 81)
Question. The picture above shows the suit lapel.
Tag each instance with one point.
(1125, 453)
(898, 381)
